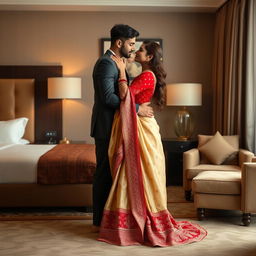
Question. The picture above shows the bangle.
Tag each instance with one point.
(122, 80)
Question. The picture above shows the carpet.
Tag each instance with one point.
(74, 238)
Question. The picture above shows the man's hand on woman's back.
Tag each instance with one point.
(145, 110)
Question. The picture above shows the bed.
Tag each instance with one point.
(19, 185)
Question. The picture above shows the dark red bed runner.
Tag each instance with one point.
(67, 164)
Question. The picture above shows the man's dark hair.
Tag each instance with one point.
(121, 31)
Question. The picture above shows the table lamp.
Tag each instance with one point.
(184, 94)
(64, 88)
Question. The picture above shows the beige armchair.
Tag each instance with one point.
(194, 162)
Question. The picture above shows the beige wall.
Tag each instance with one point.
(72, 39)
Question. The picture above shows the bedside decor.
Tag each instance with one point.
(64, 88)
(184, 94)
(65, 141)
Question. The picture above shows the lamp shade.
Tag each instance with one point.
(64, 88)
(184, 94)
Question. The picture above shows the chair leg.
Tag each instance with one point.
(188, 195)
(246, 219)
(200, 213)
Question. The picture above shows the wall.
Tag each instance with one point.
(72, 39)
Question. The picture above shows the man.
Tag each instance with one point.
(106, 101)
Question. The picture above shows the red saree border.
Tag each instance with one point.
(120, 228)
(132, 160)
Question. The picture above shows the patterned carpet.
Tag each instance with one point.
(74, 238)
(226, 236)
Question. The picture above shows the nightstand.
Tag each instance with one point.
(173, 150)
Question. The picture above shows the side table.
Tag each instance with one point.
(173, 150)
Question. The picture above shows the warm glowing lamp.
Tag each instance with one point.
(64, 88)
(184, 94)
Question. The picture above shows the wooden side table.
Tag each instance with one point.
(173, 150)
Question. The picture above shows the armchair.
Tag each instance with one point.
(195, 162)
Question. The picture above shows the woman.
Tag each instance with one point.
(136, 209)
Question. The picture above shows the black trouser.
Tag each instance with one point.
(102, 180)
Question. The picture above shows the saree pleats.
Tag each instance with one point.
(136, 209)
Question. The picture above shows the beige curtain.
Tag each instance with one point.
(229, 68)
(250, 95)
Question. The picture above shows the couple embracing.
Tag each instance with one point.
(129, 193)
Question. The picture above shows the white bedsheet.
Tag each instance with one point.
(18, 163)
(3, 145)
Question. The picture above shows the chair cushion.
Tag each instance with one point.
(233, 140)
(217, 149)
(212, 182)
(192, 172)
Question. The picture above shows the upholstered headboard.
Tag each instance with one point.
(17, 100)
(48, 112)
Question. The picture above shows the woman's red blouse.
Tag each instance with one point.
(142, 87)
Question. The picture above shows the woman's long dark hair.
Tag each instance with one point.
(156, 65)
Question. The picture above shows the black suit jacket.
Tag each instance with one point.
(106, 99)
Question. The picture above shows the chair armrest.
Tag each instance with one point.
(244, 156)
(248, 188)
(191, 158)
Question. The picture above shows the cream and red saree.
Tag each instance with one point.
(136, 209)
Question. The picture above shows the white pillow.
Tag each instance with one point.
(12, 131)
(23, 141)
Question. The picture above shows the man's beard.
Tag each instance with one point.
(124, 53)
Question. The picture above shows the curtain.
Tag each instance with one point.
(229, 68)
(250, 95)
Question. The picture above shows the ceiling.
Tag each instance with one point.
(113, 5)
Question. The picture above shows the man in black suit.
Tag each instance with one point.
(106, 101)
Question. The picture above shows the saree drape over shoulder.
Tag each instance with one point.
(136, 209)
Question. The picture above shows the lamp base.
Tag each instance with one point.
(184, 125)
(64, 141)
